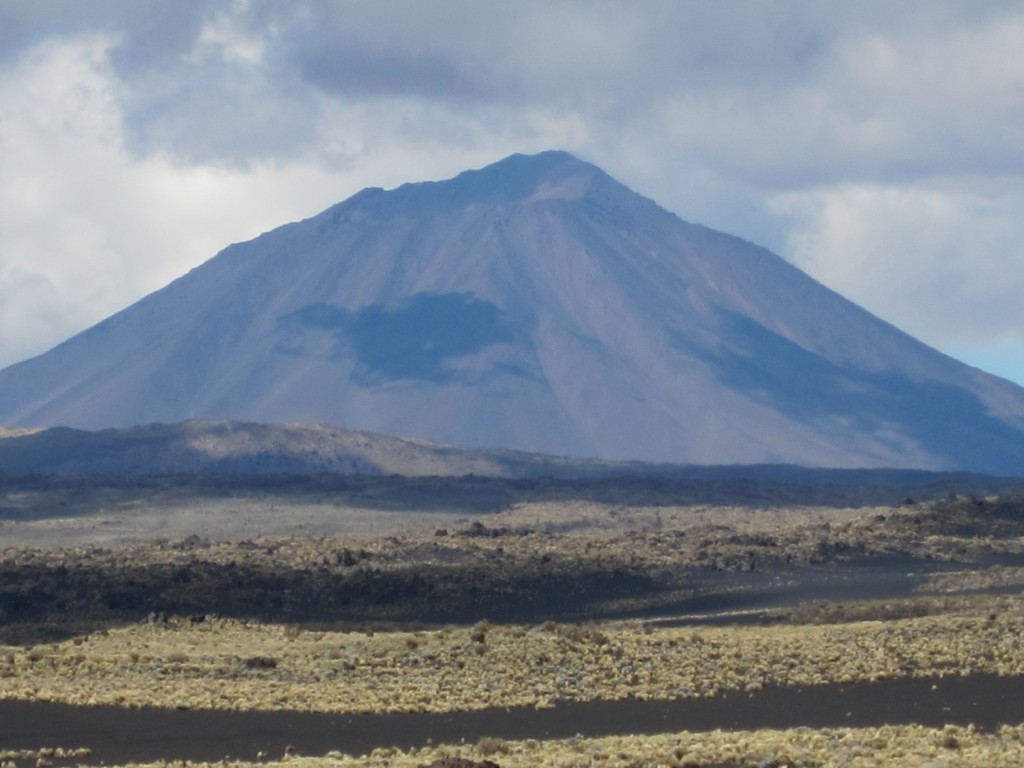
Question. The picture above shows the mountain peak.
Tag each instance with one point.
(554, 174)
(539, 162)
(550, 174)
(519, 171)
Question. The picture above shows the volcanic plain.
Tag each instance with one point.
(162, 621)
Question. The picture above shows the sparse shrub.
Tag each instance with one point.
(584, 634)
(490, 745)
(949, 741)
(450, 761)
(479, 633)
(260, 662)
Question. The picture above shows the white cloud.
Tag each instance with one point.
(948, 99)
(939, 260)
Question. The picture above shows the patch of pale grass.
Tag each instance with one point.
(226, 664)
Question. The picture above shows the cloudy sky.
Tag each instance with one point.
(877, 145)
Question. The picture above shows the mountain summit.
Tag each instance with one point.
(534, 304)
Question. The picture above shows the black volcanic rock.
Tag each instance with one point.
(535, 304)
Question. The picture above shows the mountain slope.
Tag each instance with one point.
(536, 304)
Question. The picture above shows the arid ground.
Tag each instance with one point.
(158, 625)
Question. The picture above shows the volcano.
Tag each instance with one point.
(535, 304)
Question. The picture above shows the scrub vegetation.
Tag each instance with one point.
(530, 607)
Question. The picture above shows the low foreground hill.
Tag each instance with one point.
(371, 470)
(242, 448)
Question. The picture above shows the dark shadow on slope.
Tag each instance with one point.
(944, 420)
(417, 339)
